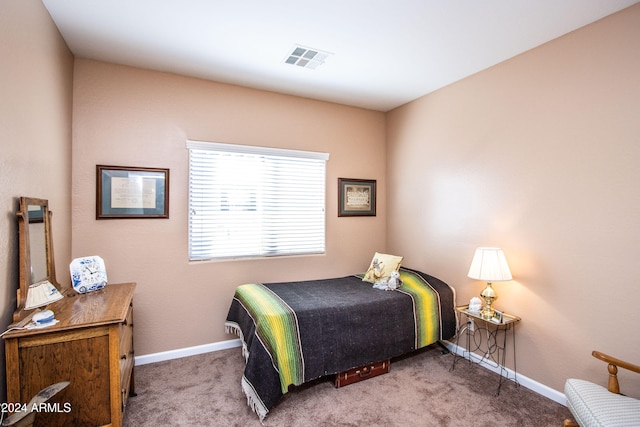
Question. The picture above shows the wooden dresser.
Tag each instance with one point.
(91, 346)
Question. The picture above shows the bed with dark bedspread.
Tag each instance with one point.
(295, 332)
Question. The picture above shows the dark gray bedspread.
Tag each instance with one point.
(343, 323)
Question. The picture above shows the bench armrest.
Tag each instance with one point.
(614, 363)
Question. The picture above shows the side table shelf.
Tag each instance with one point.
(486, 342)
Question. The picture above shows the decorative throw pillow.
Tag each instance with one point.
(381, 267)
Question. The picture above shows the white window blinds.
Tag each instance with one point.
(247, 201)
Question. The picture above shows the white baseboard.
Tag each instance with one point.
(523, 380)
(185, 352)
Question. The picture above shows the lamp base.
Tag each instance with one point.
(489, 296)
(487, 312)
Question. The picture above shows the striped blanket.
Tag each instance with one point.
(298, 331)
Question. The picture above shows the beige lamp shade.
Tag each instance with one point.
(40, 294)
(489, 264)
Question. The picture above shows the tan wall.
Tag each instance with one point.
(538, 155)
(35, 136)
(131, 117)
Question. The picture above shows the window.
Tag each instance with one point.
(247, 201)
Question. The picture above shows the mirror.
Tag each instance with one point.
(36, 248)
(37, 243)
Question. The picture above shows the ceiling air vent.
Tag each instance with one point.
(306, 57)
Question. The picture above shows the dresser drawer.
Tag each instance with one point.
(126, 356)
(126, 330)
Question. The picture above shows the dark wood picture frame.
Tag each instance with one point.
(131, 192)
(356, 197)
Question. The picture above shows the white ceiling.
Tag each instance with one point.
(384, 52)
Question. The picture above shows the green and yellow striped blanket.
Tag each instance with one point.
(298, 331)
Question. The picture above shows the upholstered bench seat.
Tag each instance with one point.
(593, 405)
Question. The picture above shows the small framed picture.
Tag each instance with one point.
(497, 316)
(356, 197)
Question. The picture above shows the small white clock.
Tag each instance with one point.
(88, 274)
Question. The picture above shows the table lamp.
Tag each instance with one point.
(41, 294)
(491, 265)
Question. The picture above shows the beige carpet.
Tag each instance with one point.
(419, 390)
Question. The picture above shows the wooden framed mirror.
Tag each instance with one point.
(36, 248)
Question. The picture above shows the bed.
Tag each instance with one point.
(296, 332)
